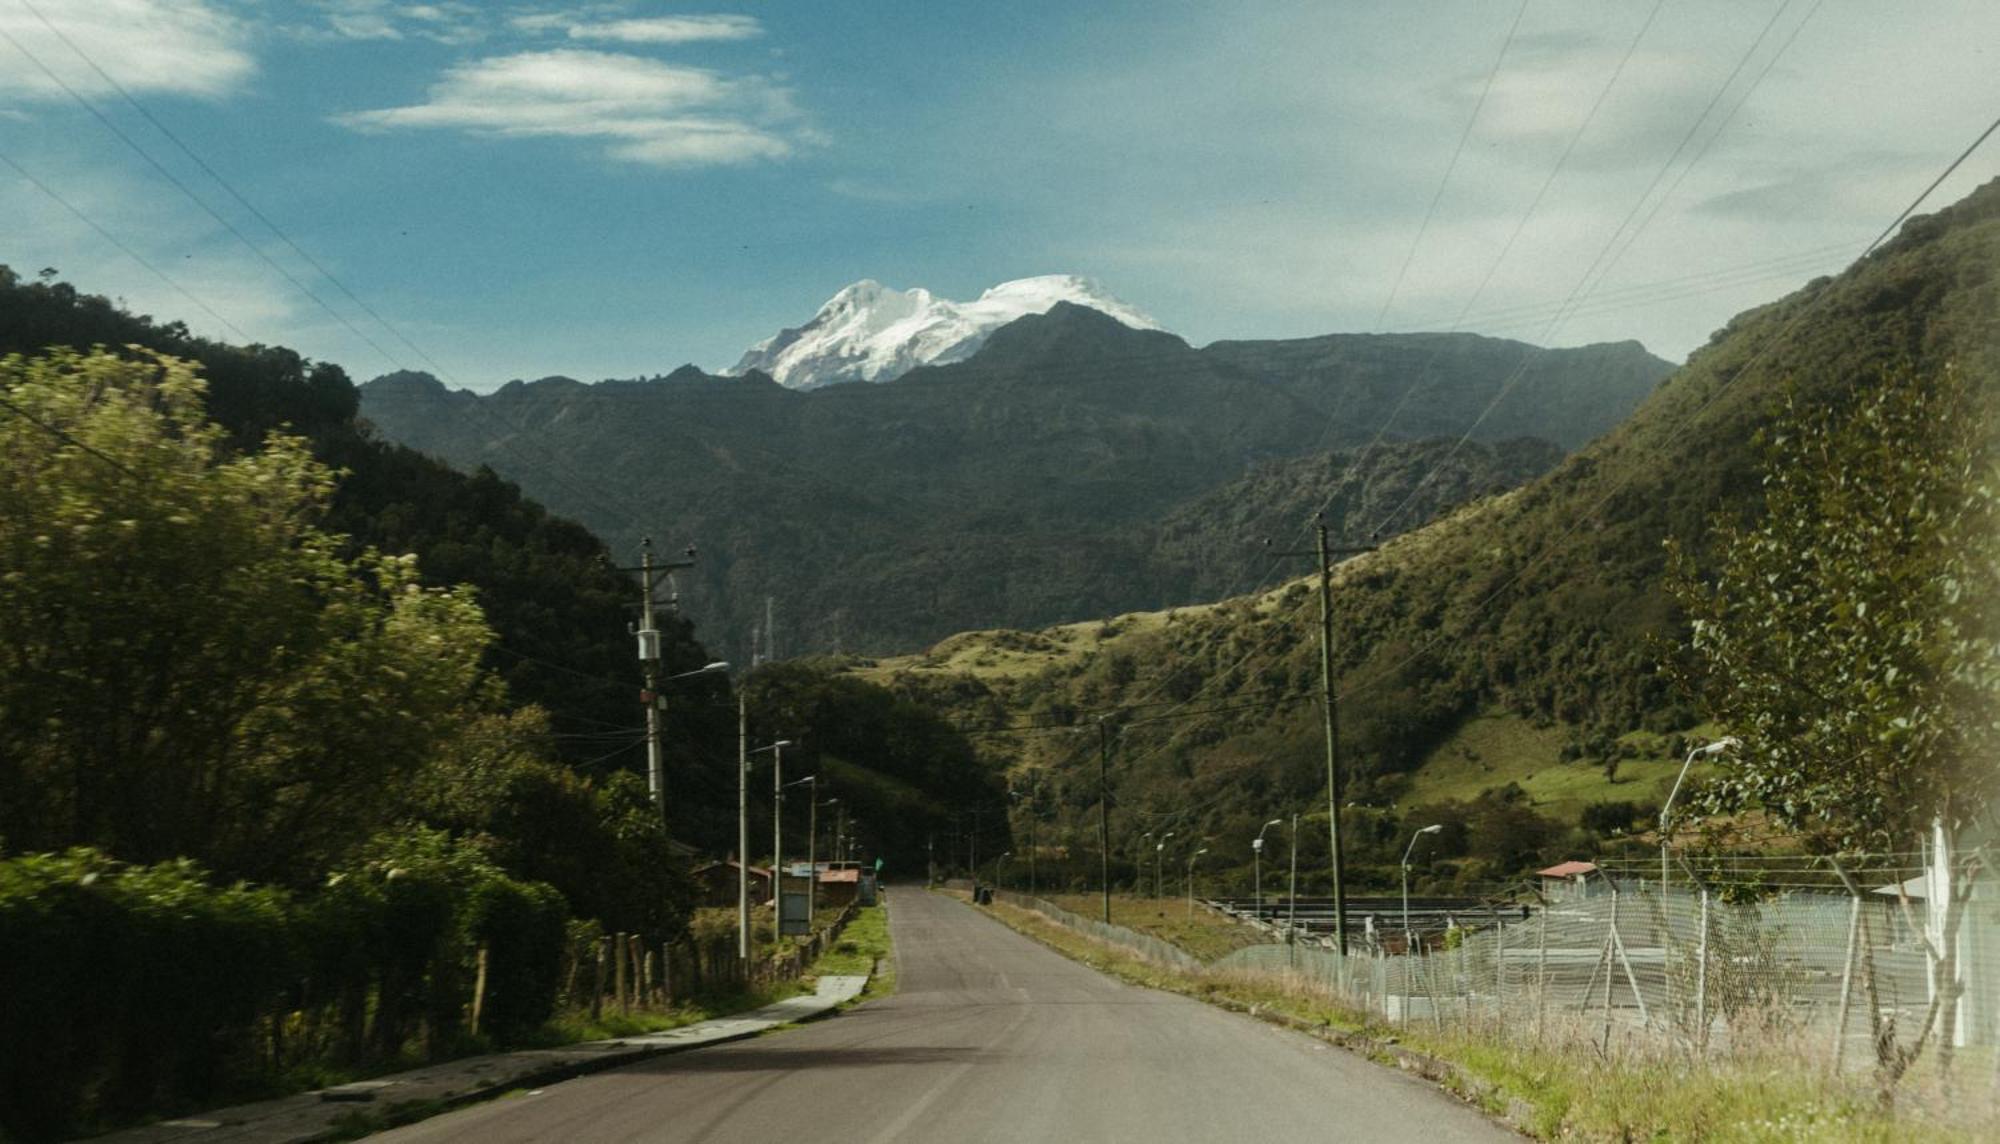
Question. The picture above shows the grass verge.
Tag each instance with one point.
(1562, 1086)
(863, 949)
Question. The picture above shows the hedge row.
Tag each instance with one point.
(131, 989)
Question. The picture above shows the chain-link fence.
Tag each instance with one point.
(1147, 945)
(1841, 970)
(1843, 974)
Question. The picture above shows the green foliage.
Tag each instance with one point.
(1546, 604)
(599, 841)
(155, 988)
(902, 772)
(1611, 818)
(188, 665)
(547, 586)
(1847, 634)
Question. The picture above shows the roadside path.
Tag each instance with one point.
(313, 1116)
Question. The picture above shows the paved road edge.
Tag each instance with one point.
(345, 1112)
(1454, 1079)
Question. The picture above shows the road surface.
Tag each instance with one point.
(989, 1037)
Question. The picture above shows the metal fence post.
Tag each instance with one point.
(1701, 979)
(1846, 985)
(1541, 971)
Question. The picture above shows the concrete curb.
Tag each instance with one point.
(374, 1105)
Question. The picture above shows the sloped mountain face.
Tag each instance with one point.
(1544, 604)
(868, 332)
(1029, 484)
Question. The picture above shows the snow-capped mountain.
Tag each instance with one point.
(868, 332)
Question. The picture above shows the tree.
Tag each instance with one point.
(1848, 635)
(188, 665)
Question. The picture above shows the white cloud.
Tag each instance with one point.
(645, 111)
(178, 47)
(670, 29)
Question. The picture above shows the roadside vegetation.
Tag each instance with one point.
(1200, 931)
(1562, 1086)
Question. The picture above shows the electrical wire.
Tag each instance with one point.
(1430, 212)
(127, 251)
(1675, 430)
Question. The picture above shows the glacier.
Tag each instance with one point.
(870, 332)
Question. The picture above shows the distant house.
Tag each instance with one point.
(716, 883)
(839, 885)
(1568, 882)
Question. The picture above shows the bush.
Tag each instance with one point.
(143, 989)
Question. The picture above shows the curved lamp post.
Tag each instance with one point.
(1257, 865)
(1433, 828)
(1726, 743)
(1192, 858)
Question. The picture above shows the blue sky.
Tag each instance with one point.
(614, 189)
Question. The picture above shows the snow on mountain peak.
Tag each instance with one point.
(869, 332)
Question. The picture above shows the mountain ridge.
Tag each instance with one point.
(1027, 484)
(869, 332)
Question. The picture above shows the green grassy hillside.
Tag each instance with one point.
(1519, 641)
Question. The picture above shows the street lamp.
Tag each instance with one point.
(1257, 865)
(743, 839)
(1159, 848)
(812, 842)
(1292, 899)
(1433, 828)
(1190, 879)
(656, 706)
(1726, 743)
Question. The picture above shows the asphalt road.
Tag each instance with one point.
(989, 1037)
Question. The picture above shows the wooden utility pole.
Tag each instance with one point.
(1104, 812)
(1332, 720)
(742, 827)
(1330, 713)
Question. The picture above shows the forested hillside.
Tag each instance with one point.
(558, 608)
(1073, 467)
(1510, 656)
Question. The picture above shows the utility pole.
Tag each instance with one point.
(1292, 894)
(1104, 812)
(1331, 714)
(742, 826)
(649, 659)
(778, 845)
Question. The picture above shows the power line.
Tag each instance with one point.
(1430, 211)
(233, 193)
(1583, 284)
(127, 251)
(184, 189)
(1722, 387)
(598, 497)
(66, 438)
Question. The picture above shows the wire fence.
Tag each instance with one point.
(1151, 947)
(1844, 975)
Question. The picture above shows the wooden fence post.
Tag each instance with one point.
(620, 952)
(597, 982)
(479, 988)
